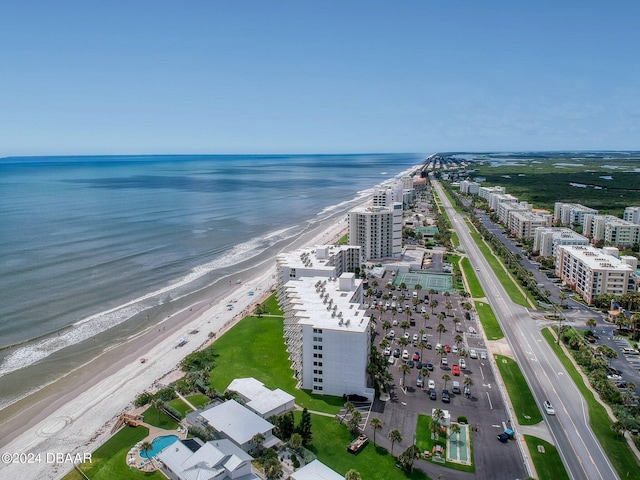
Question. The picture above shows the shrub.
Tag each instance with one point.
(143, 399)
(174, 413)
(166, 394)
(462, 419)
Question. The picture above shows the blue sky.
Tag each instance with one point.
(267, 76)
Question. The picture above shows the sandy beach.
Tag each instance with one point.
(75, 414)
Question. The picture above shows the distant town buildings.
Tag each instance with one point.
(591, 271)
(327, 334)
(469, 187)
(378, 230)
(547, 239)
(486, 192)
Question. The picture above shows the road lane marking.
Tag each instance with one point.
(489, 398)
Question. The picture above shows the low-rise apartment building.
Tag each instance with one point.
(318, 261)
(571, 213)
(632, 214)
(523, 224)
(611, 229)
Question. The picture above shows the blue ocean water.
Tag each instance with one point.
(88, 242)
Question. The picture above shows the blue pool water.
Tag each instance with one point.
(159, 444)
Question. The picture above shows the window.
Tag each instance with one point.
(317, 364)
(317, 355)
(317, 347)
(317, 330)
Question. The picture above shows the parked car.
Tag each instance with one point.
(406, 335)
(467, 391)
(424, 337)
(473, 353)
(396, 353)
(455, 370)
(432, 384)
(432, 394)
(462, 364)
(447, 348)
(405, 355)
(391, 334)
(454, 349)
(419, 381)
(549, 408)
(387, 351)
(483, 355)
(416, 356)
(444, 361)
(455, 387)
(411, 364)
(415, 337)
(430, 367)
(445, 396)
(419, 365)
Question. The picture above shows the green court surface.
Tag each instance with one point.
(441, 282)
(458, 448)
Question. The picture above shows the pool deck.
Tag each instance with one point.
(134, 457)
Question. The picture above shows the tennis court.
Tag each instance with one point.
(441, 282)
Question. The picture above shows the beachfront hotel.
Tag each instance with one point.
(547, 240)
(378, 230)
(590, 271)
(318, 261)
(327, 334)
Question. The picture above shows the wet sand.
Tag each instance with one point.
(76, 413)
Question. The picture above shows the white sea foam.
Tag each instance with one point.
(86, 328)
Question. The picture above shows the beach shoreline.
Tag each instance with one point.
(75, 414)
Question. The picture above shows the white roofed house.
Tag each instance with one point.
(192, 459)
(260, 399)
(315, 470)
(240, 425)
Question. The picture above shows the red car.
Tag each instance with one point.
(447, 348)
(416, 357)
(455, 370)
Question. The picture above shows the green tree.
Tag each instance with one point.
(353, 424)
(273, 469)
(446, 377)
(258, 439)
(404, 369)
(395, 436)
(304, 427)
(352, 475)
(440, 329)
(295, 441)
(407, 458)
(376, 424)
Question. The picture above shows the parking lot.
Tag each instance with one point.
(411, 315)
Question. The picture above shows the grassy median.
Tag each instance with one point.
(524, 404)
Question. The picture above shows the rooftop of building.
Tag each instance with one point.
(318, 256)
(260, 398)
(320, 302)
(236, 421)
(596, 258)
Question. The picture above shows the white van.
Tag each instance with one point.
(455, 387)
(415, 294)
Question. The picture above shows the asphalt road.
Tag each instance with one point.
(581, 453)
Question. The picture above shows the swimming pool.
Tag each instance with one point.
(159, 444)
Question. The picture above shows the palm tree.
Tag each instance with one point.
(458, 339)
(456, 322)
(386, 326)
(376, 424)
(273, 469)
(258, 439)
(426, 317)
(435, 428)
(402, 341)
(354, 422)
(422, 345)
(441, 316)
(562, 298)
(384, 343)
(404, 369)
(449, 307)
(349, 408)
(352, 475)
(446, 377)
(404, 325)
(158, 405)
(454, 428)
(146, 447)
(440, 329)
(394, 436)
(433, 304)
(468, 381)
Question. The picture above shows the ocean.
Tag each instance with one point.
(92, 246)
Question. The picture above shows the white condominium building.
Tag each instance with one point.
(378, 230)
(506, 208)
(591, 271)
(318, 261)
(497, 198)
(571, 213)
(486, 192)
(611, 229)
(632, 214)
(467, 186)
(524, 224)
(547, 240)
(327, 334)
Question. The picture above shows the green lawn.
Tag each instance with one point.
(179, 405)
(110, 460)
(330, 440)
(621, 456)
(159, 419)
(489, 322)
(472, 281)
(548, 464)
(272, 306)
(198, 399)
(523, 402)
(255, 348)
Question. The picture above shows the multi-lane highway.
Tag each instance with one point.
(582, 454)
